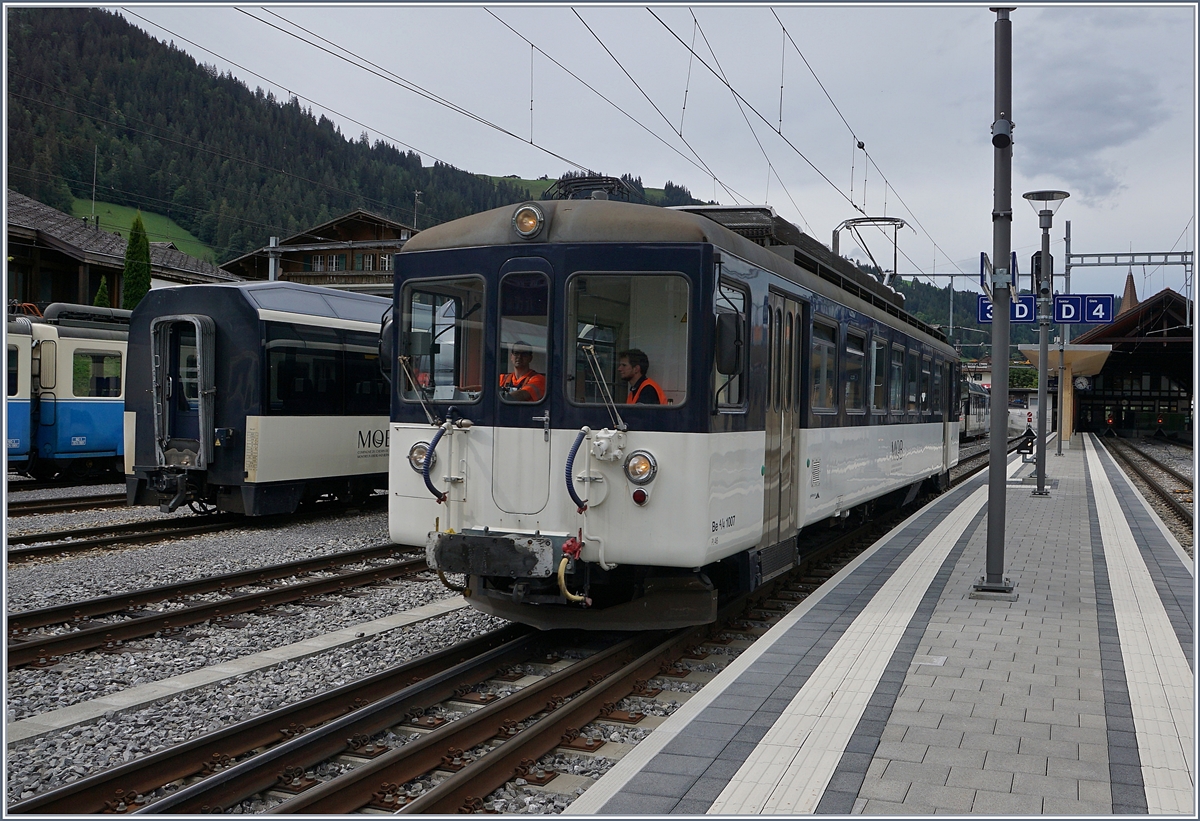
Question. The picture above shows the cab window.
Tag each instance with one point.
(730, 299)
(524, 319)
(441, 340)
(628, 334)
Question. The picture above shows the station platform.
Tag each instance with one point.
(891, 690)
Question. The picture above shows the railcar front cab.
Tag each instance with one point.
(558, 522)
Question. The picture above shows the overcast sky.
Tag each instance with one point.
(1104, 105)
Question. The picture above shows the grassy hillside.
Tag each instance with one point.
(158, 227)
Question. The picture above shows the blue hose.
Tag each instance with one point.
(579, 503)
(437, 494)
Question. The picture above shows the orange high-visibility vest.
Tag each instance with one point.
(647, 382)
(533, 382)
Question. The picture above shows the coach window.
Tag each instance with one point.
(524, 318)
(938, 368)
(631, 315)
(777, 361)
(824, 367)
(12, 370)
(896, 380)
(855, 354)
(304, 370)
(913, 365)
(879, 366)
(926, 398)
(728, 387)
(96, 373)
(366, 389)
(441, 340)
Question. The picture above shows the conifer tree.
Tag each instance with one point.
(136, 279)
(102, 299)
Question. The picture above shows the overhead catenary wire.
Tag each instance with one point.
(652, 103)
(599, 94)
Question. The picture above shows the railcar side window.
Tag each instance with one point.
(618, 324)
(910, 381)
(12, 370)
(524, 319)
(729, 388)
(777, 359)
(366, 390)
(926, 398)
(896, 381)
(938, 368)
(879, 365)
(441, 340)
(96, 373)
(855, 353)
(824, 367)
(304, 370)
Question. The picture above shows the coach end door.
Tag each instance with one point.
(184, 391)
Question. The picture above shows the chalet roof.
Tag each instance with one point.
(76, 238)
(1159, 318)
(326, 233)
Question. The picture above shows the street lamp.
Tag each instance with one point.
(1049, 202)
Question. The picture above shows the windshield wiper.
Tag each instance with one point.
(589, 353)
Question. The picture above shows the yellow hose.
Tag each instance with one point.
(466, 591)
(562, 581)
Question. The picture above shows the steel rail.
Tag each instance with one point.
(28, 507)
(1169, 498)
(354, 789)
(134, 533)
(1154, 461)
(43, 649)
(24, 620)
(383, 695)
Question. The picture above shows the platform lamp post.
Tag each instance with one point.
(1050, 201)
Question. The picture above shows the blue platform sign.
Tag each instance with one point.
(1068, 308)
(1022, 309)
(1098, 308)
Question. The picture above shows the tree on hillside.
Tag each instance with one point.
(102, 299)
(136, 278)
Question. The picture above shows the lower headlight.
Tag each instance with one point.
(416, 456)
(640, 467)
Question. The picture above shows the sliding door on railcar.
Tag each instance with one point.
(183, 368)
(784, 335)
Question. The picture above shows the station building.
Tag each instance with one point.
(1133, 376)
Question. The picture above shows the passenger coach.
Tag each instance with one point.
(797, 393)
(254, 398)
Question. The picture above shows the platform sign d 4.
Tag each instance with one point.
(1021, 309)
(1093, 309)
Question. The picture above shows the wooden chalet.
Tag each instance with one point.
(353, 252)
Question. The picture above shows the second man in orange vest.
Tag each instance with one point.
(632, 367)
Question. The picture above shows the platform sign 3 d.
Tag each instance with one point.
(1021, 309)
(1094, 309)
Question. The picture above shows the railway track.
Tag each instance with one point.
(496, 736)
(1163, 480)
(29, 507)
(63, 542)
(26, 647)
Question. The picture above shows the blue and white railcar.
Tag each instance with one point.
(254, 398)
(66, 373)
(797, 393)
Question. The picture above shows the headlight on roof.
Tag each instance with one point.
(528, 220)
(640, 467)
(416, 456)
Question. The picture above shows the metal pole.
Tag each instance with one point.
(1045, 216)
(1061, 373)
(993, 580)
(1066, 328)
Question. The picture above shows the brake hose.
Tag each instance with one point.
(441, 497)
(579, 503)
